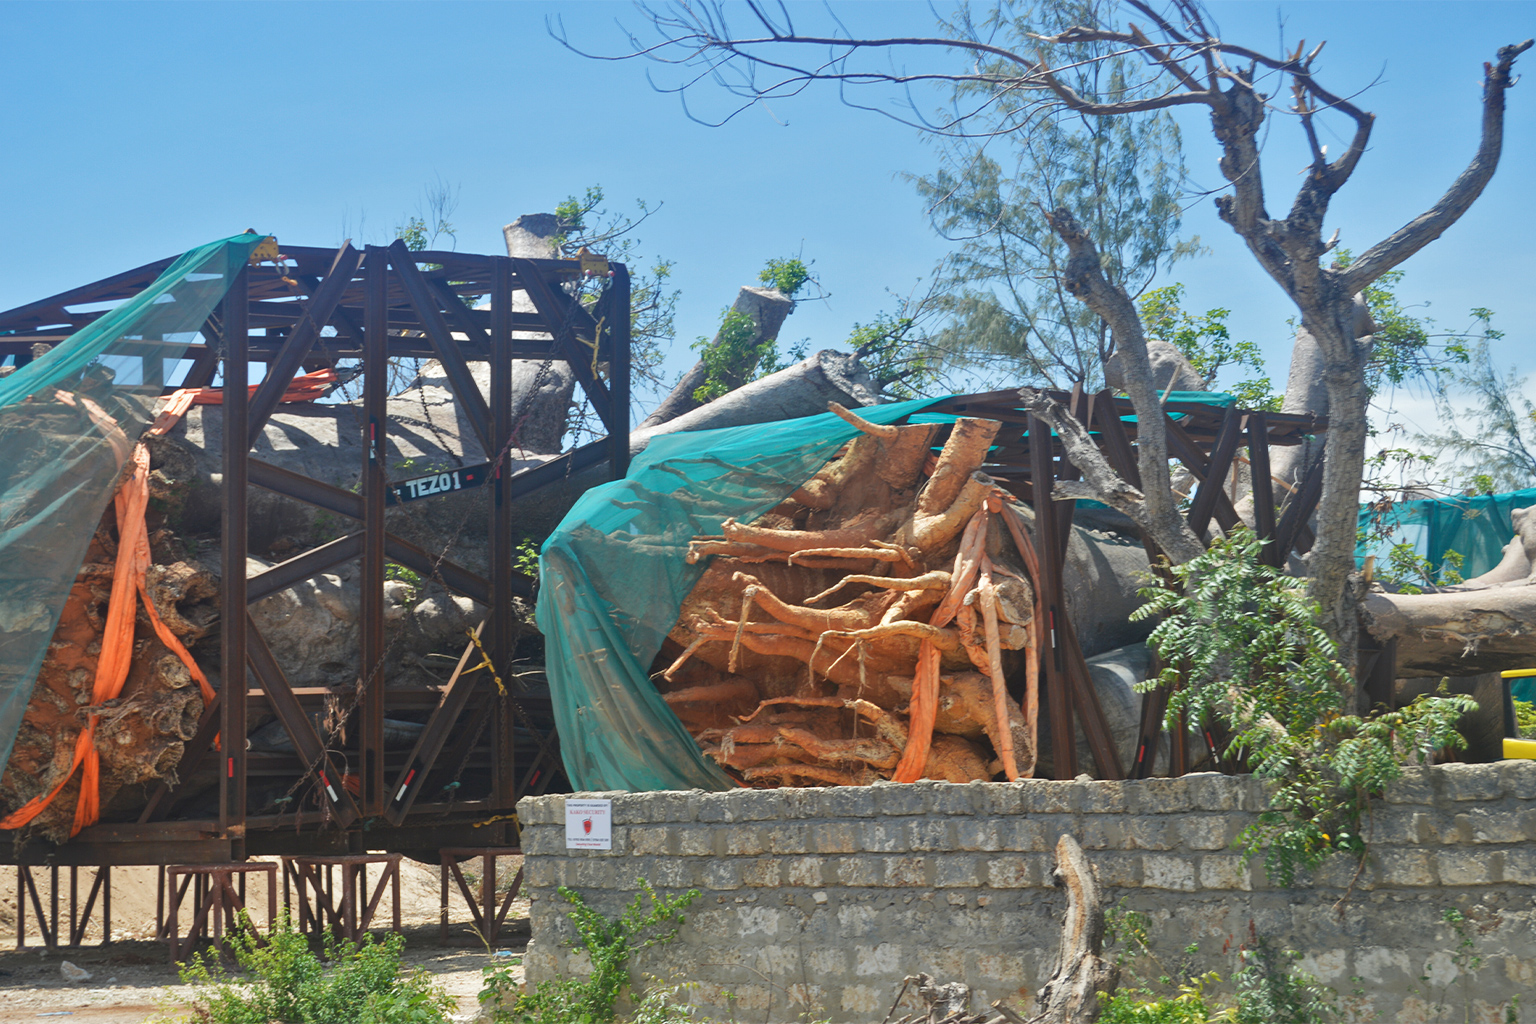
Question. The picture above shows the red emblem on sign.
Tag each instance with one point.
(586, 825)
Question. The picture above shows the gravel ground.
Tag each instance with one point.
(133, 982)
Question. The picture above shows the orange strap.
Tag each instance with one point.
(128, 578)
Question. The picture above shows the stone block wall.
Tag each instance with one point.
(819, 901)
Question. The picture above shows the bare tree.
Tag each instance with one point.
(1242, 90)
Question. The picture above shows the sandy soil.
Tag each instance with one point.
(133, 980)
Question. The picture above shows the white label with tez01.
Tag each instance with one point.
(589, 824)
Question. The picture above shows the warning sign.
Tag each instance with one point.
(589, 824)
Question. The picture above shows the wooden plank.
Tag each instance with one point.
(462, 382)
(1213, 486)
(1184, 448)
(1053, 669)
(1085, 698)
(1263, 486)
(1299, 509)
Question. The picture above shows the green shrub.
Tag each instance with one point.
(285, 983)
(1244, 646)
(608, 945)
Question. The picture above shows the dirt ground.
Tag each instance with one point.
(132, 979)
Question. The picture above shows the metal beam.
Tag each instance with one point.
(317, 313)
(370, 680)
(232, 642)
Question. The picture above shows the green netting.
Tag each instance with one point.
(68, 422)
(613, 577)
(1476, 527)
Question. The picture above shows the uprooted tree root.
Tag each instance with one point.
(927, 668)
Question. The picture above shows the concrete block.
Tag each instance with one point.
(897, 798)
(884, 835)
(790, 837)
(978, 833)
(1394, 826)
(1166, 871)
(801, 803)
(1409, 868)
(1102, 832)
(696, 841)
(1520, 865)
(804, 871)
(1517, 779)
(763, 872)
(907, 871)
(723, 875)
(1417, 786)
(882, 960)
(1205, 831)
(1046, 797)
(953, 798)
(1103, 797)
(929, 833)
(541, 872)
(1032, 835)
(1491, 825)
(1213, 791)
(713, 808)
(1011, 871)
(646, 840)
(1161, 796)
(1003, 798)
(1471, 781)
(1121, 870)
(592, 873)
(744, 841)
(859, 871)
(1470, 867)
(828, 962)
(1224, 871)
(540, 810)
(835, 836)
(543, 842)
(671, 873)
(957, 870)
(1151, 831)
(859, 1000)
(847, 802)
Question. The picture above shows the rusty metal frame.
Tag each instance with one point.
(372, 304)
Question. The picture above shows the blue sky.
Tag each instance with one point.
(135, 131)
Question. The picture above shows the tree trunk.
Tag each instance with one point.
(767, 307)
(542, 389)
(1072, 994)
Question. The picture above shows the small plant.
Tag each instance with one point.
(1272, 988)
(608, 945)
(284, 981)
(1243, 646)
(787, 275)
(410, 577)
(525, 558)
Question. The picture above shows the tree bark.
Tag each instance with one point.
(1072, 994)
(768, 308)
(541, 389)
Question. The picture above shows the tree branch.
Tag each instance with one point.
(1428, 226)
